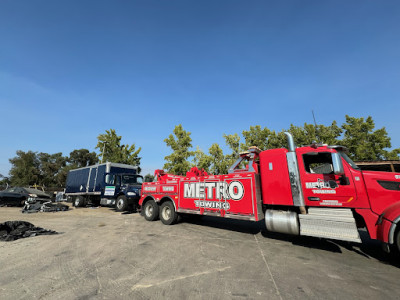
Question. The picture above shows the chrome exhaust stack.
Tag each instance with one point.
(290, 141)
(294, 175)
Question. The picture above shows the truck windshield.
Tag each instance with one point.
(131, 179)
(349, 161)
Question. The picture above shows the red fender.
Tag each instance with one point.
(390, 220)
(370, 219)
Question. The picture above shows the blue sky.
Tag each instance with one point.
(69, 70)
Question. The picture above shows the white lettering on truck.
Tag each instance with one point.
(212, 204)
(150, 188)
(223, 190)
(168, 188)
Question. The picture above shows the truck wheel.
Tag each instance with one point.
(395, 248)
(79, 201)
(168, 215)
(121, 204)
(150, 210)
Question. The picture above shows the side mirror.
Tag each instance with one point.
(337, 164)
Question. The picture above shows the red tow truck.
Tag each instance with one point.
(315, 190)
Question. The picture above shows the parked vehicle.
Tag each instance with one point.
(16, 196)
(109, 184)
(315, 190)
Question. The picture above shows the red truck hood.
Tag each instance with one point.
(383, 189)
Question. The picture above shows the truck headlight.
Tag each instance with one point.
(131, 194)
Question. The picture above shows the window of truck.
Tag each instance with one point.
(318, 162)
(110, 179)
(131, 179)
(348, 160)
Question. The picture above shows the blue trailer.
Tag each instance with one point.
(109, 184)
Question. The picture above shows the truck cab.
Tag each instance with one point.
(122, 190)
(329, 194)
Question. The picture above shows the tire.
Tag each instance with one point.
(395, 248)
(79, 201)
(168, 215)
(150, 210)
(121, 204)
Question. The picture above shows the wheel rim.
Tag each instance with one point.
(149, 210)
(76, 202)
(166, 213)
(120, 203)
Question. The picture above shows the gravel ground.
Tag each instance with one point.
(102, 254)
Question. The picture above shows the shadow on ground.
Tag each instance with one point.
(127, 212)
(368, 249)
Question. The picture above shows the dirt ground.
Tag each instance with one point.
(102, 254)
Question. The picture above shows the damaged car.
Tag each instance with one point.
(16, 196)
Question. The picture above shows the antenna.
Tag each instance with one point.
(316, 127)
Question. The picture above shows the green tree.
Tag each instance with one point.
(148, 178)
(177, 162)
(4, 182)
(309, 133)
(25, 169)
(265, 138)
(50, 167)
(82, 158)
(201, 160)
(365, 143)
(277, 140)
(329, 134)
(219, 163)
(110, 148)
(262, 138)
(233, 142)
(256, 136)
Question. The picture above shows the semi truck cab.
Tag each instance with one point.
(122, 190)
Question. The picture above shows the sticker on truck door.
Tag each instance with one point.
(109, 191)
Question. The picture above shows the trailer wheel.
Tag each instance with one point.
(150, 210)
(168, 215)
(121, 204)
(79, 201)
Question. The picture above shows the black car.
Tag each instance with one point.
(16, 196)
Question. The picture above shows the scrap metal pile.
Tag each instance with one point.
(14, 230)
(43, 205)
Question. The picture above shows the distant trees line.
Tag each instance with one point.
(357, 134)
(51, 170)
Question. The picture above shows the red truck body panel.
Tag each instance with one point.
(234, 195)
(275, 184)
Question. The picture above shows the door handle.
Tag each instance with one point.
(314, 198)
